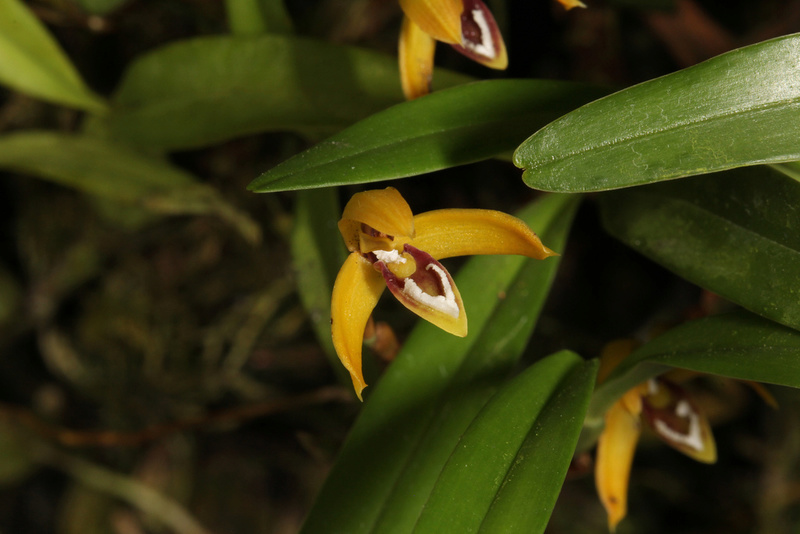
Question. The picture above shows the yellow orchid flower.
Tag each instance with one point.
(669, 412)
(466, 25)
(391, 247)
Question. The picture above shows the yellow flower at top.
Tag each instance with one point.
(466, 25)
(391, 247)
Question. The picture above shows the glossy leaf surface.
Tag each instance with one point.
(735, 233)
(32, 62)
(451, 127)
(202, 91)
(505, 460)
(741, 108)
(436, 387)
(116, 173)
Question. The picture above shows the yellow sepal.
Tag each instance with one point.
(416, 50)
(385, 210)
(355, 294)
(615, 450)
(441, 19)
(466, 232)
(569, 4)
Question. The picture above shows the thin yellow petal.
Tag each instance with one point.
(355, 294)
(415, 53)
(385, 210)
(441, 19)
(569, 4)
(466, 232)
(615, 450)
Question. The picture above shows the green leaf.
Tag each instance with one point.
(741, 108)
(447, 128)
(412, 421)
(32, 62)
(206, 90)
(318, 254)
(511, 443)
(790, 169)
(256, 17)
(737, 345)
(100, 7)
(735, 233)
(116, 173)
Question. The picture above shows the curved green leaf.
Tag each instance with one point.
(256, 17)
(414, 417)
(317, 256)
(740, 108)
(447, 128)
(32, 62)
(206, 90)
(735, 233)
(100, 7)
(506, 460)
(117, 173)
(737, 345)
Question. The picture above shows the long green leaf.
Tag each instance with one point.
(735, 233)
(737, 345)
(413, 419)
(206, 90)
(32, 62)
(317, 254)
(506, 460)
(115, 172)
(447, 128)
(256, 17)
(741, 108)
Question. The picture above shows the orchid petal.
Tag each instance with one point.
(615, 450)
(677, 421)
(441, 19)
(355, 294)
(384, 210)
(481, 38)
(429, 291)
(461, 232)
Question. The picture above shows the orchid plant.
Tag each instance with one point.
(473, 430)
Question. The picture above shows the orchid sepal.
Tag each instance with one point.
(441, 19)
(460, 232)
(355, 294)
(415, 52)
(615, 450)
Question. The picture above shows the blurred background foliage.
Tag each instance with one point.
(158, 370)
